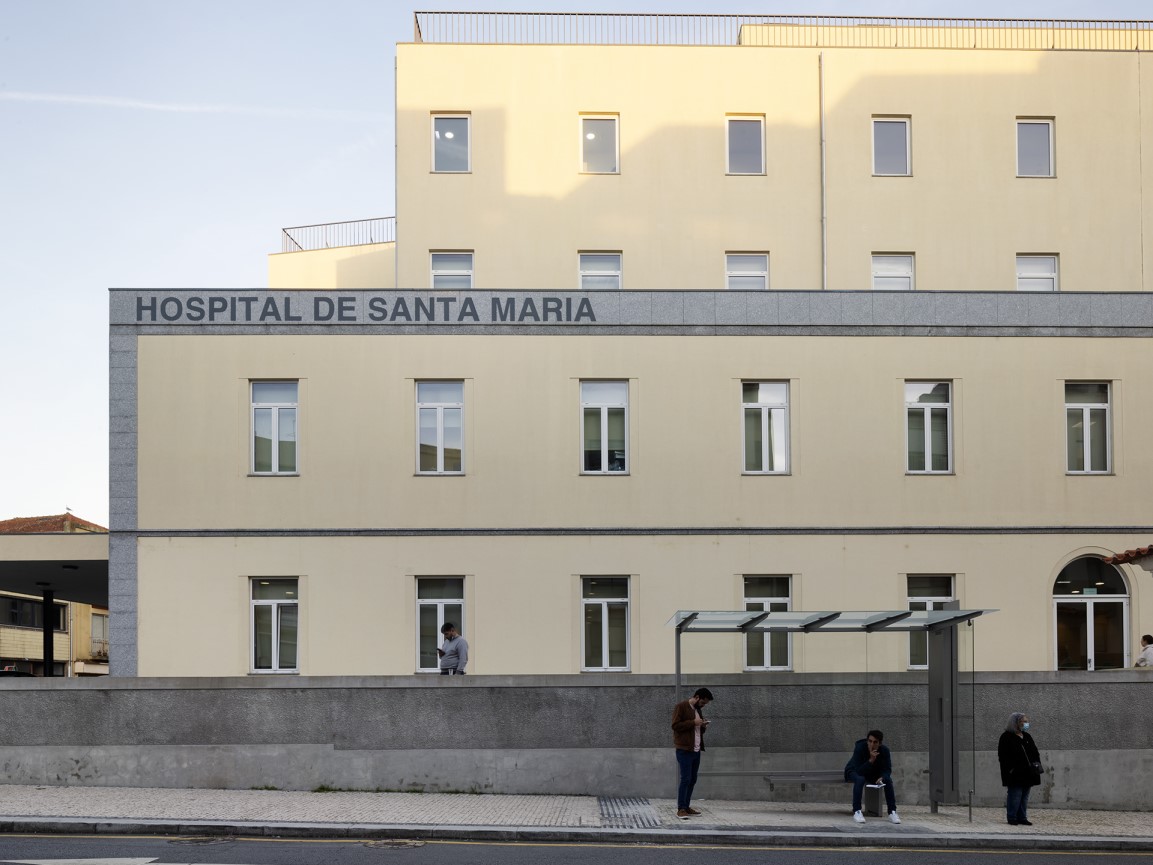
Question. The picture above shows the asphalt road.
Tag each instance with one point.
(105, 850)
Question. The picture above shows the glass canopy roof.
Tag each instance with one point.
(865, 621)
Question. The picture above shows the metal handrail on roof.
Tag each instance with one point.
(326, 235)
(817, 31)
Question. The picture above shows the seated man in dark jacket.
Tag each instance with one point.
(872, 764)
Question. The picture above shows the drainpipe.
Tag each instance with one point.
(824, 197)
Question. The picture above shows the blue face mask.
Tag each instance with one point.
(1025, 727)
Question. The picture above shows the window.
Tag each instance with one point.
(604, 427)
(275, 617)
(926, 592)
(773, 650)
(600, 271)
(599, 153)
(893, 272)
(765, 409)
(450, 147)
(440, 427)
(1091, 616)
(438, 600)
(274, 427)
(746, 140)
(747, 271)
(1087, 432)
(1036, 273)
(29, 613)
(1035, 148)
(891, 146)
(929, 426)
(605, 611)
(100, 635)
(452, 270)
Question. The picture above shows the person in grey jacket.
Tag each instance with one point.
(453, 651)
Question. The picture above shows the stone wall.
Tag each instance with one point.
(596, 734)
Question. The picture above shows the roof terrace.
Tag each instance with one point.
(780, 31)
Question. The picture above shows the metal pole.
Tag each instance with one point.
(49, 654)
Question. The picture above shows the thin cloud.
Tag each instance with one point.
(190, 108)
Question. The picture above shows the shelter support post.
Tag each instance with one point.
(943, 676)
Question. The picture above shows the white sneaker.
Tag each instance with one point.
(858, 817)
(893, 818)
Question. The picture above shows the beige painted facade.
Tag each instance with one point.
(673, 212)
(357, 526)
(357, 452)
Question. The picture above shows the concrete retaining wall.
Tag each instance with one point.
(599, 735)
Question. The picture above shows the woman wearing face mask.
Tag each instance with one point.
(1017, 754)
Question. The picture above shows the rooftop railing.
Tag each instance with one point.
(305, 238)
(816, 31)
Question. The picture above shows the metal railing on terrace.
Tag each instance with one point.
(814, 31)
(305, 238)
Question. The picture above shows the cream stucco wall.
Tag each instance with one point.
(522, 612)
(357, 432)
(366, 266)
(526, 210)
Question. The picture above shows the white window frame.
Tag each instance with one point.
(275, 409)
(441, 617)
(1038, 121)
(1085, 409)
(276, 606)
(604, 407)
(1047, 280)
(769, 412)
(604, 604)
(761, 273)
(615, 118)
(759, 119)
(926, 418)
(586, 273)
(435, 272)
(926, 602)
(907, 122)
(760, 603)
(887, 270)
(439, 408)
(468, 142)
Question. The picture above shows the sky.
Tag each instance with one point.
(157, 144)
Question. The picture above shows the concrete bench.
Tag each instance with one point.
(870, 803)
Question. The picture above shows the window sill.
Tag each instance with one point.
(274, 474)
(745, 174)
(1108, 474)
(606, 670)
(765, 474)
(438, 474)
(274, 672)
(908, 174)
(605, 474)
(948, 474)
(434, 171)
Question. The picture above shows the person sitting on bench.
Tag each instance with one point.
(871, 764)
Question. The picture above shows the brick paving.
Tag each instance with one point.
(341, 809)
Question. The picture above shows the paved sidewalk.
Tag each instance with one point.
(128, 810)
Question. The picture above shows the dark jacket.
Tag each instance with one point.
(1016, 754)
(684, 725)
(859, 762)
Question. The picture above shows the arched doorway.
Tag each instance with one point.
(1091, 616)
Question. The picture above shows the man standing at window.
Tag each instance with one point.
(871, 764)
(689, 740)
(453, 651)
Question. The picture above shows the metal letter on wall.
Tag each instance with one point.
(943, 765)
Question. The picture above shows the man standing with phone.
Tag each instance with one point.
(689, 740)
(453, 651)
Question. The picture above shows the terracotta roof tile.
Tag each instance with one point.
(47, 525)
(1129, 555)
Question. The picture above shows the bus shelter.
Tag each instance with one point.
(940, 627)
